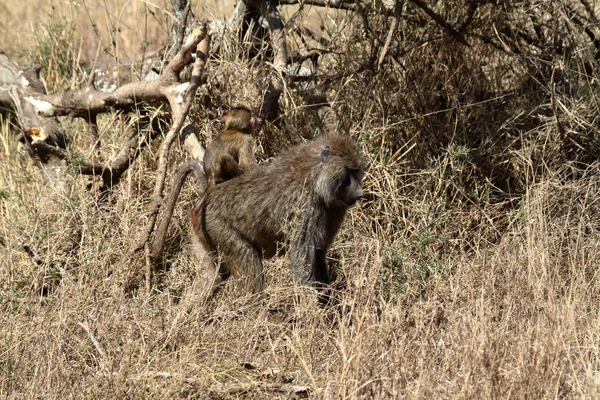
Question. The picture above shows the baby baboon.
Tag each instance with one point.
(308, 190)
(231, 153)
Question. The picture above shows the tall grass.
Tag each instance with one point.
(470, 271)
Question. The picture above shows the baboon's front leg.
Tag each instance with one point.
(309, 264)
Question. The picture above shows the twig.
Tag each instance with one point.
(95, 342)
(388, 40)
(441, 21)
(183, 24)
(180, 176)
(234, 388)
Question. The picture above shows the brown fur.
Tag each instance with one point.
(231, 151)
(308, 190)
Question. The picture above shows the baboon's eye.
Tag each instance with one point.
(347, 180)
(356, 174)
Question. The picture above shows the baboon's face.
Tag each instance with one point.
(341, 173)
(241, 119)
(351, 188)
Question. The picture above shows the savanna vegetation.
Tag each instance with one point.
(469, 270)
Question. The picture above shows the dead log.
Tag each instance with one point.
(16, 86)
(24, 94)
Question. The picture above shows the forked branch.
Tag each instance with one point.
(88, 101)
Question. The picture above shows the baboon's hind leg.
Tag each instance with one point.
(241, 259)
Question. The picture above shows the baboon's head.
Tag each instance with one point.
(240, 119)
(342, 165)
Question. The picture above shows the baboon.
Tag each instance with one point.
(301, 197)
(231, 153)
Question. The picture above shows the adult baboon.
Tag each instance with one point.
(301, 197)
(231, 152)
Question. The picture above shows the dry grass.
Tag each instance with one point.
(100, 27)
(472, 274)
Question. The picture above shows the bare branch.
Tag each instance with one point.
(388, 40)
(221, 389)
(190, 142)
(110, 172)
(180, 108)
(270, 109)
(194, 164)
(87, 101)
(15, 85)
(43, 137)
(183, 12)
(359, 7)
(97, 345)
(441, 21)
(342, 5)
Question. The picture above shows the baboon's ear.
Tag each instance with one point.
(325, 153)
(224, 115)
(258, 122)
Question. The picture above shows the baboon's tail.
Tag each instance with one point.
(180, 176)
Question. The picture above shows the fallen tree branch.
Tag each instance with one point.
(194, 164)
(15, 86)
(183, 12)
(22, 92)
(235, 388)
(110, 172)
(341, 5)
(180, 176)
(87, 101)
